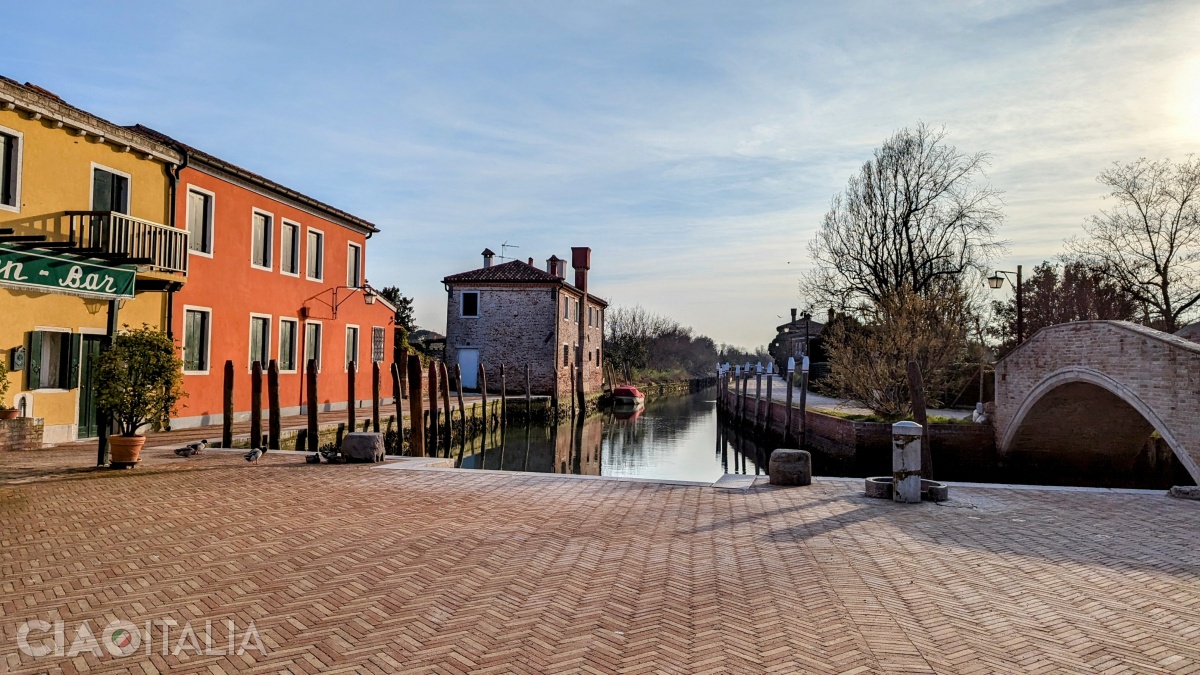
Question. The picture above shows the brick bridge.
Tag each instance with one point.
(1093, 391)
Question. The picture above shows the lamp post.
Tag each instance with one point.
(996, 281)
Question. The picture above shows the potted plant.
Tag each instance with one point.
(6, 413)
(140, 383)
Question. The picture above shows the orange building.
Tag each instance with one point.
(273, 275)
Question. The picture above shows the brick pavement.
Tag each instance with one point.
(368, 569)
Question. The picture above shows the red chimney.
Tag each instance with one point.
(581, 260)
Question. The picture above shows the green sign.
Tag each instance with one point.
(65, 273)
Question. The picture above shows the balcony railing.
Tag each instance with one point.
(157, 246)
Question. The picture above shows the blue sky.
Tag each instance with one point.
(693, 145)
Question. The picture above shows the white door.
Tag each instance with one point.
(468, 361)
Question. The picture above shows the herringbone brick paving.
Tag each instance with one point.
(364, 569)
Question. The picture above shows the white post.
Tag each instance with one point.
(906, 462)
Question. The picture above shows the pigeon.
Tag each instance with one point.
(313, 459)
(192, 448)
(253, 455)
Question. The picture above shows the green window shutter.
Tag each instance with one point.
(73, 360)
(33, 373)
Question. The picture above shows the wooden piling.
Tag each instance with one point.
(503, 398)
(273, 422)
(483, 393)
(787, 423)
(402, 359)
(462, 410)
(433, 406)
(314, 438)
(445, 377)
(757, 397)
(528, 397)
(770, 401)
(351, 393)
(256, 404)
(803, 409)
(375, 396)
(227, 408)
(572, 373)
(416, 408)
(397, 379)
(301, 440)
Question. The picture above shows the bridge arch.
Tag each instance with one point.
(1092, 392)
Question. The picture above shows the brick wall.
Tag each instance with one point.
(523, 324)
(23, 433)
(1092, 391)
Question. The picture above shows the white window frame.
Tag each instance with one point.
(357, 349)
(284, 223)
(207, 341)
(304, 344)
(269, 248)
(15, 208)
(53, 390)
(320, 258)
(462, 305)
(382, 345)
(350, 247)
(250, 356)
(212, 222)
(92, 184)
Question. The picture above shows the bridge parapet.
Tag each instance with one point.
(1151, 372)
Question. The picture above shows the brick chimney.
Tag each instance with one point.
(488, 254)
(581, 260)
(793, 315)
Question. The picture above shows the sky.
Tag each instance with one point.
(694, 146)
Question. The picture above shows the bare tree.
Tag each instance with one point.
(1149, 242)
(913, 217)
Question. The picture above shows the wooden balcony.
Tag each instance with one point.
(123, 238)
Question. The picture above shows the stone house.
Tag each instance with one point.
(514, 314)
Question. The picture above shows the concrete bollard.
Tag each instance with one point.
(906, 462)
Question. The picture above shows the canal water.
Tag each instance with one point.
(673, 438)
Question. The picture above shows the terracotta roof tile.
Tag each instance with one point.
(515, 272)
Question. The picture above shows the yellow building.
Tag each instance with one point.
(86, 245)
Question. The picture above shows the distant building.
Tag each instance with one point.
(516, 314)
(1190, 332)
(796, 338)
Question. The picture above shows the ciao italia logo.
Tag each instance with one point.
(121, 638)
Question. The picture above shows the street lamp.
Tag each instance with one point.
(996, 282)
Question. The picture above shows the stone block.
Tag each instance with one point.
(1185, 491)
(363, 447)
(790, 467)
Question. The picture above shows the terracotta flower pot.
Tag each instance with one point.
(9, 413)
(126, 451)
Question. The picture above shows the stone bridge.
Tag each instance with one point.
(1092, 392)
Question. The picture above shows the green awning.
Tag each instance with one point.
(64, 273)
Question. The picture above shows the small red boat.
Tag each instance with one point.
(627, 396)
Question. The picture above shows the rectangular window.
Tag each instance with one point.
(50, 362)
(566, 308)
(261, 237)
(10, 171)
(377, 338)
(352, 346)
(287, 344)
(566, 355)
(316, 255)
(312, 344)
(597, 357)
(110, 191)
(200, 221)
(289, 248)
(470, 303)
(196, 332)
(353, 265)
(260, 340)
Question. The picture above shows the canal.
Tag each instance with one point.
(673, 438)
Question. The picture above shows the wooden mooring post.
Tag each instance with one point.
(375, 396)
(770, 399)
(445, 382)
(528, 397)
(433, 406)
(462, 410)
(256, 404)
(314, 431)
(351, 394)
(787, 423)
(416, 408)
(227, 408)
(273, 422)
(397, 379)
(758, 396)
(503, 398)
(483, 393)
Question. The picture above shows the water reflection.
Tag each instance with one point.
(670, 439)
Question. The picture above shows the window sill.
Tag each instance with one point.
(196, 372)
(261, 268)
(201, 254)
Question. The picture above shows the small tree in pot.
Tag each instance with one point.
(140, 382)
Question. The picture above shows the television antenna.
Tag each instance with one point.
(504, 250)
